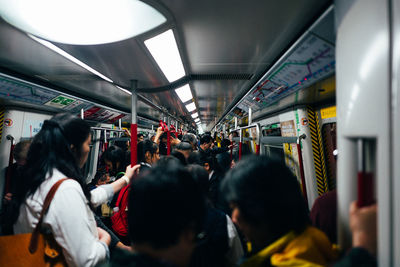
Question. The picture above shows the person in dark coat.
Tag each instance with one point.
(323, 214)
(164, 227)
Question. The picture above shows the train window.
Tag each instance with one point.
(275, 151)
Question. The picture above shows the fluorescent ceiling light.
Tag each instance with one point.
(191, 107)
(124, 90)
(75, 60)
(184, 93)
(165, 52)
(195, 115)
(80, 22)
(68, 56)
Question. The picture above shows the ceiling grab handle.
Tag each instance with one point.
(365, 172)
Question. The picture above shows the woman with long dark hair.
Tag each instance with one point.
(58, 151)
(147, 153)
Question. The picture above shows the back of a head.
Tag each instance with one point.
(267, 193)
(190, 138)
(20, 151)
(205, 139)
(184, 146)
(225, 142)
(162, 204)
(143, 147)
(54, 142)
(194, 158)
(115, 154)
(200, 175)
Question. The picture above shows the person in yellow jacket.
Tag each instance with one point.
(269, 208)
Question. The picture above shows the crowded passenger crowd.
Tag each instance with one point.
(198, 206)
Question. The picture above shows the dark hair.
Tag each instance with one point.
(115, 154)
(51, 149)
(200, 175)
(185, 146)
(225, 142)
(140, 135)
(143, 147)
(101, 175)
(167, 193)
(210, 160)
(190, 138)
(122, 142)
(179, 156)
(194, 158)
(20, 151)
(205, 139)
(267, 193)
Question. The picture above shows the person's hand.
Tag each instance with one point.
(8, 197)
(104, 236)
(159, 131)
(128, 133)
(122, 246)
(132, 171)
(174, 141)
(363, 226)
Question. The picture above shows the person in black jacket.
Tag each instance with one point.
(221, 245)
(164, 227)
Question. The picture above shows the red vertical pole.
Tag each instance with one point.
(240, 150)
(257, 149)
(133, 144)
(303, 180)
(168, 142)
(365, 188)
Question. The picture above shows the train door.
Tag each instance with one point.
(368, 116)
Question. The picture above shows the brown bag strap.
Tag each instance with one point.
(35, 235)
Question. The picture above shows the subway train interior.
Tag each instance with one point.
(314, 82)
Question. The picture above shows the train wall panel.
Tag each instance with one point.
(20, 125)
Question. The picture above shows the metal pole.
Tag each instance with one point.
(120, 126)
(134, 123)
(235, 122)
(250, 114)
(240, 144)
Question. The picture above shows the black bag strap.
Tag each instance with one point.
(33, 244)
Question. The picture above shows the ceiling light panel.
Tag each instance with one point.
(165, 52)
(195, 115)
(79, 22)
(191, 107)
(184, 93)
